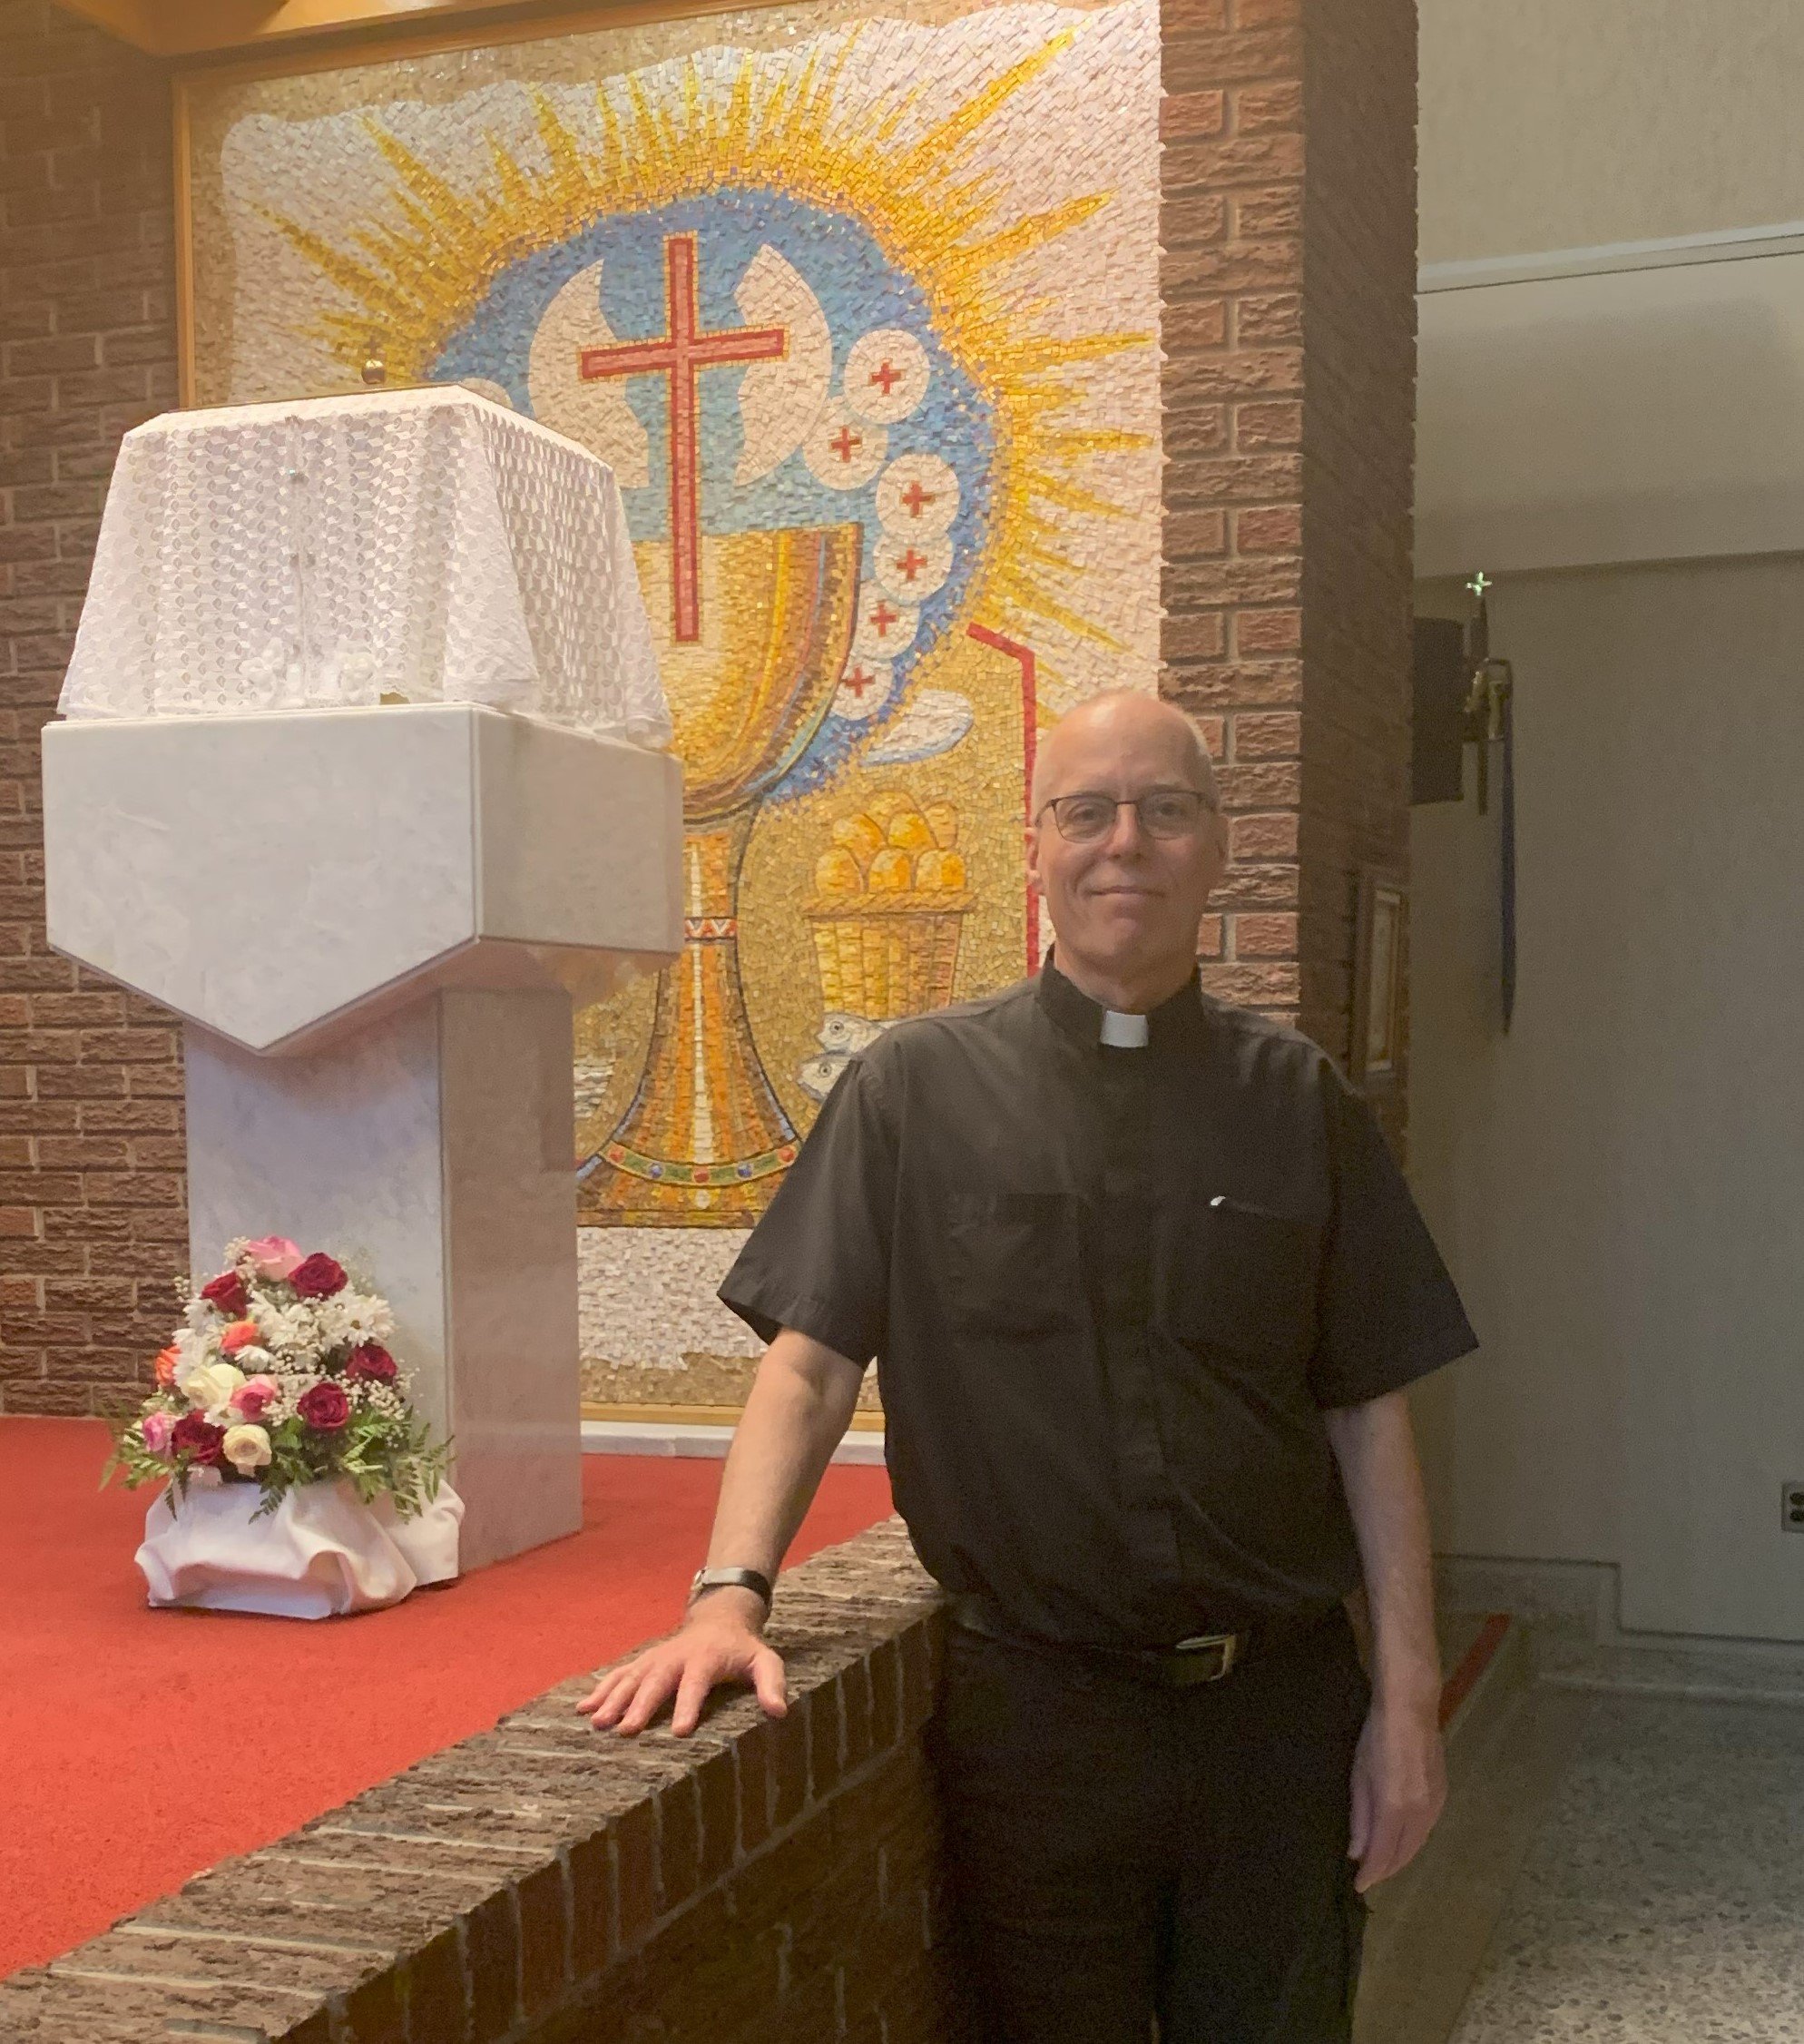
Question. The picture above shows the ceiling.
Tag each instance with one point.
(179, 28)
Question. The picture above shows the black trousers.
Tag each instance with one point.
(1118, 1851)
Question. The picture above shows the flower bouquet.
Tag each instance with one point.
(299, 1479)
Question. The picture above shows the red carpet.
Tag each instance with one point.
(143, 1746)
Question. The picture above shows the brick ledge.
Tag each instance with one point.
(540, 1883)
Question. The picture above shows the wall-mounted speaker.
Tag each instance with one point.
(1443, 681)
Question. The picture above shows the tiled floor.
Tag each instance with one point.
(1663, 1900)
(1619, 1862)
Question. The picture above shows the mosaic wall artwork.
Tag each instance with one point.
(864, 314)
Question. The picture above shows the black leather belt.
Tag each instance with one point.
(1206, 1657)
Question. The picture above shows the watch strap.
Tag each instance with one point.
(708, 1579)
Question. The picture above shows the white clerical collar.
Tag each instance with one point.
(1125, 1032)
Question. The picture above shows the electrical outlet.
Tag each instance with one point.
(1792, 1504)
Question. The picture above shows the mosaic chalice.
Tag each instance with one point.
(705, 1139)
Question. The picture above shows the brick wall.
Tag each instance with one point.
(765, 1882)
(91, 1220)
(1231, 277)
(1289, 277)
(1358, 465)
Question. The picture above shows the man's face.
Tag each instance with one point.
(1128, 903)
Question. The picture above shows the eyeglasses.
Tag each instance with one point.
(1163, 812)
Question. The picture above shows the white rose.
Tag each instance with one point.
(209, 1388)
(246, 1448)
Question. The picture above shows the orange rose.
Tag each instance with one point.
(166, 1362)
(240, 1334)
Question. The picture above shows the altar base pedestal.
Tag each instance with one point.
(431, 1148)
(373, 923)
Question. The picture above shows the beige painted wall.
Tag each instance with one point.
(1569, 123)
(1619, 1183)
(1646, 415)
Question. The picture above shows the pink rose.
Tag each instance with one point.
(317, 1277)
(254, 1397)
(226, 1293)
(370, 1360)
(157, 1427)
(273, 1256)
(240, 1334)
(324, 1406)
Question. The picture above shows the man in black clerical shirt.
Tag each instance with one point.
(1144, 1287)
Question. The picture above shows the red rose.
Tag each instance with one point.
(197, 1439)
(228, 1293)
(317, 1277)
(325, 1407)
(372, 1360)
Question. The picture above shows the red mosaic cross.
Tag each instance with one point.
(682, 353)
(888, 377)
(917, 499)
(911, 564)
(883, 617)
(846, 443)
(859, 680)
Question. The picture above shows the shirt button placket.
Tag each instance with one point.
(1126, 1295)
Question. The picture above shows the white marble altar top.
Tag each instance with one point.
(428, 545)
(276, 877)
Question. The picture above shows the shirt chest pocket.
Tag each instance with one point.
(1243, 1278)
(1011, 1264)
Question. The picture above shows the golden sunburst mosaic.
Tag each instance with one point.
(938, 213)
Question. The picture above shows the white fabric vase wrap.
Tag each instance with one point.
(322, 1552)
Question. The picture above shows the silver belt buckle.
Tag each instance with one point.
(1224, 1646)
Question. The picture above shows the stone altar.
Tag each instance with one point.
(373, 918)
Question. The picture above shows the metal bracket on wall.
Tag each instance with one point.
(1486, 709)
(1490, 719)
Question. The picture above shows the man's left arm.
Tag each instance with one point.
(1400, 1773)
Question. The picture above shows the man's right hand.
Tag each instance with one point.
(720, 1643)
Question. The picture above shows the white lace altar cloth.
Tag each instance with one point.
(427, 545)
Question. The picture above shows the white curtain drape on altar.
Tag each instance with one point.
(428, 545)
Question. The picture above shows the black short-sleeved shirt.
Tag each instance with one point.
(1110, 1292)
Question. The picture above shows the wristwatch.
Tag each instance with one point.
(730, 1578)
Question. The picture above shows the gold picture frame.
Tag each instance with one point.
(1380, 934)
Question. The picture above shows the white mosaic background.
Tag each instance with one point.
(648, 1294)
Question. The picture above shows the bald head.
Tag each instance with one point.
(1116, 716)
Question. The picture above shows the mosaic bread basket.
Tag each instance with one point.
(885, 956)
